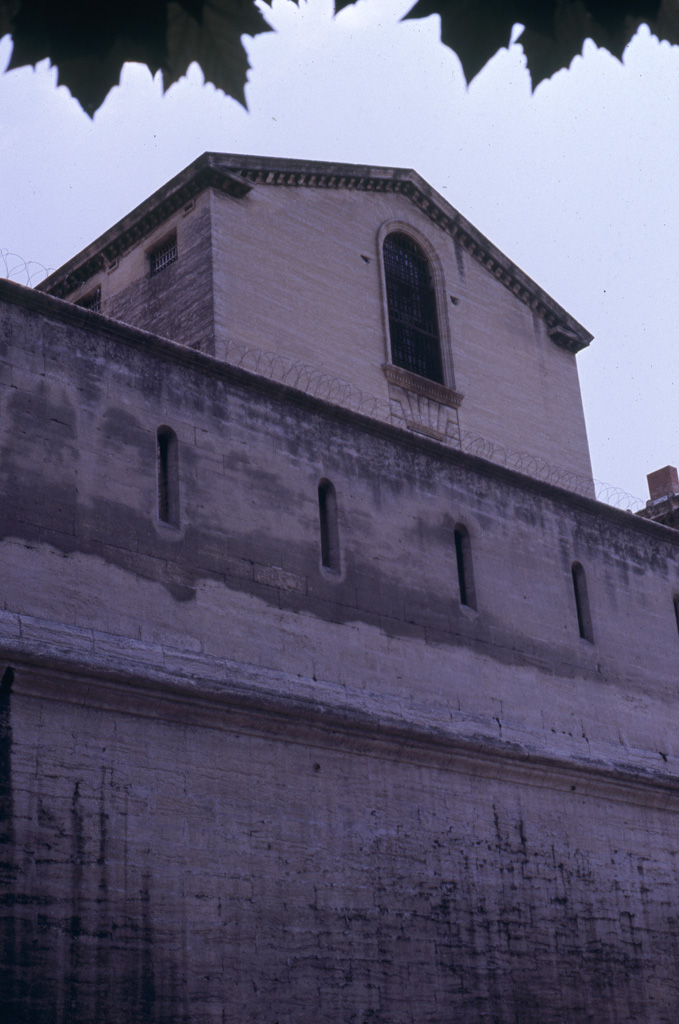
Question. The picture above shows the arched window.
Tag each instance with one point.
(168, 477)
(582, 602)
(676, 609)
(327, 511)
(465, 571)
(411, 304)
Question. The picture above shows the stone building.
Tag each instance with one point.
(309, 712)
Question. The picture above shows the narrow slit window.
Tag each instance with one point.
(327, 510)
(163, 255)
(411, 304)
(465, 571)
(582, 602)
(676, 610)
(168, 477)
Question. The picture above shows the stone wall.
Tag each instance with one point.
(298, 271)
(239, 786)
(175, 303)
(178, 862)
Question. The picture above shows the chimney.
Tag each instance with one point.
(663, 483)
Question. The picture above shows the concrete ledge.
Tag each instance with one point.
(243, 697)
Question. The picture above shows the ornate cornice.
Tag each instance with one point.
(562, 328)
(236, 175)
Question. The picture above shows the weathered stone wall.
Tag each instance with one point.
(240, 787)
(290, 278)
(175, 303)
(182, 864)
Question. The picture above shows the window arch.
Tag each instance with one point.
(411, 305)
(582, 602)
(465, 569)
(327, 512)
(168, 476)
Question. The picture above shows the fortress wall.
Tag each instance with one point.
(176, 864)
(490, 828)
(175, 303)
(81, 404)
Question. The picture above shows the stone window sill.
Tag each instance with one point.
(421, 386)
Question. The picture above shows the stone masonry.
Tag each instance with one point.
(279, 267)
(241, 785)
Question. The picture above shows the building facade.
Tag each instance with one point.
(279, 265)
(307, 713)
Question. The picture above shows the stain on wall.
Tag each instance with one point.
(237, 787)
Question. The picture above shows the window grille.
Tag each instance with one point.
(163, 255)
(411, 302)
(92, 301)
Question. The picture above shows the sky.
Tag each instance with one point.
(577, 182)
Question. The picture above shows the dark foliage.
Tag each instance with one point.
(89, 43)
(555, 29)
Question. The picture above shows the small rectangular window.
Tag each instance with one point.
(91, 301)
(163, 255)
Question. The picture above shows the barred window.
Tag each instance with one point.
(163, 255)
(411, 303)
(91, 301)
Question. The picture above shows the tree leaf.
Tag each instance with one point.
(608, 25)
(215, 42)
(555, 30)
(474, 29)
(89, 43)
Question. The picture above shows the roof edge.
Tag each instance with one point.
(203, 173)
(564, 329)
(236, 175)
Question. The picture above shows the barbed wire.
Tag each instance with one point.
(16, 268)
(533, 465)
(313, 380)
(612, 495)
(308, 378)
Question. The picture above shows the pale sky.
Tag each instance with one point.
(576, 183)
